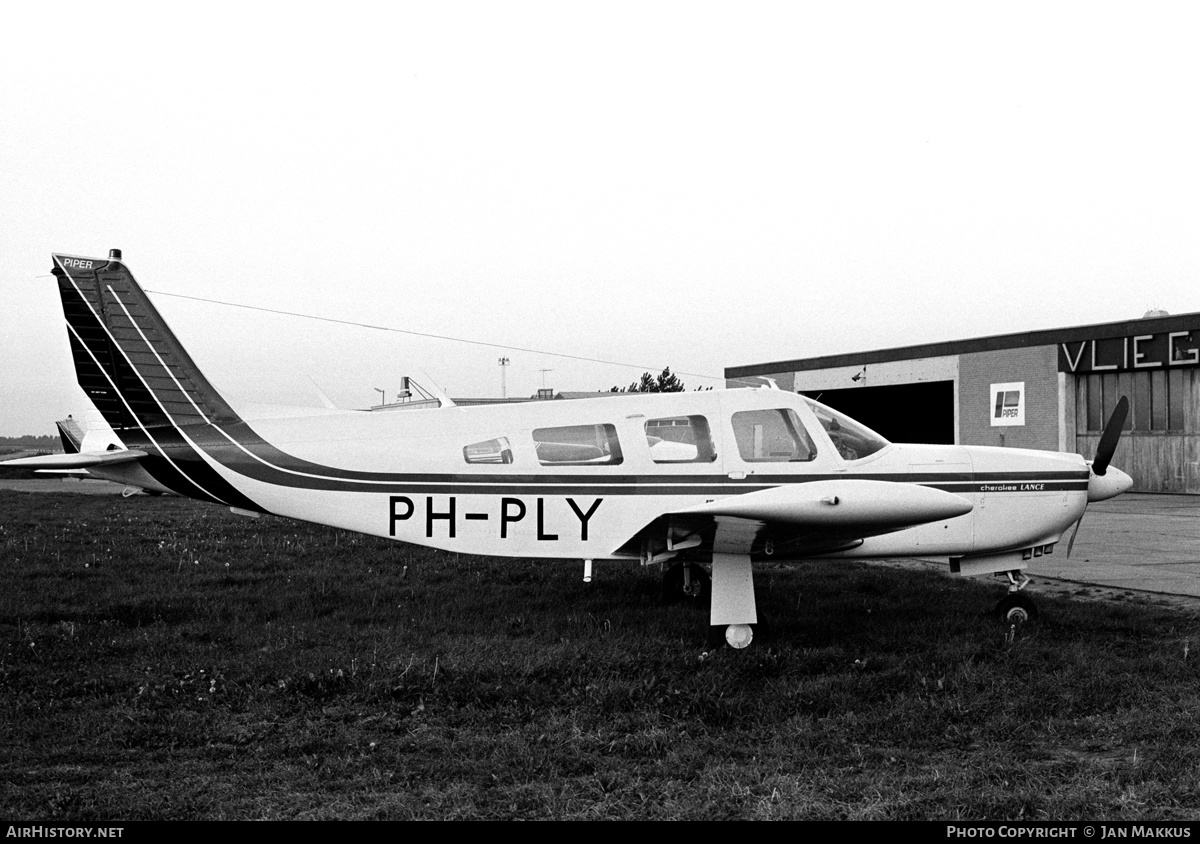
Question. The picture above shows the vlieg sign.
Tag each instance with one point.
(1126, 354)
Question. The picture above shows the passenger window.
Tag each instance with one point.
(680, 439)
(577, 445)
(772, 436)
(490, 451)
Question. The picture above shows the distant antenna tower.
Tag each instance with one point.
(503, 383)
(544, 371)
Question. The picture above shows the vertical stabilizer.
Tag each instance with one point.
(127, 359)
(70, 434)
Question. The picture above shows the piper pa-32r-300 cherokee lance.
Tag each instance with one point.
(723, 478)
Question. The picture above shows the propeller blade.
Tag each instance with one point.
(1099, 490)
(1110, 437)
(1074, 534)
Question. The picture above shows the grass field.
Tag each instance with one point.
(162, 659)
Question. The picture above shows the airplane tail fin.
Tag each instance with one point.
(127, 359)
(70, 434)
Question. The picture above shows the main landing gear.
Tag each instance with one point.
(685, 582)
(736, 636)
(731, 611)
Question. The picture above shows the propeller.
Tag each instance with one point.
(1104, 481)
(1075, 533)
(1110, 438)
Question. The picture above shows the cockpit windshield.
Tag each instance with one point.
(852, 439)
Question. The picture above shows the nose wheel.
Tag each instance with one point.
(1015, 608)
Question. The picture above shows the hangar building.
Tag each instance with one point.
(1049, 390)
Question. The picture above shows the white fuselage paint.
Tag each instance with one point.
(519, 509)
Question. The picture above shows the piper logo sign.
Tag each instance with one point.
(1008, 404)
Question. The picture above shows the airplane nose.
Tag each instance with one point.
(1109, 485)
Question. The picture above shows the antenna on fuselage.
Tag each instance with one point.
(437, 391)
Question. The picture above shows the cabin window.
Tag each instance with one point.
(577, 445)
(680, 439)
(489, 451)
(772, 436)
(853, 440)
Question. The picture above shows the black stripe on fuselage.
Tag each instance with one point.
(193, 471)
(241, 450)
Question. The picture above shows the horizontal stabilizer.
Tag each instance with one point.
(79, 460)
(841, 504)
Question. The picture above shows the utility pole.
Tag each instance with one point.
(544, 393)
(503, 383)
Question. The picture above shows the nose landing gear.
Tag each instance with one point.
(1015, 608)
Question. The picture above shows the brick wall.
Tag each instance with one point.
(1038, 368)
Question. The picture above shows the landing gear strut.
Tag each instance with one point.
(732, 611)
(685, 582)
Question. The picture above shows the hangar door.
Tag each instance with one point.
(903, 413)
(1160, 448)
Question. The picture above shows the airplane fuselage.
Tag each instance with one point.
(483, 480)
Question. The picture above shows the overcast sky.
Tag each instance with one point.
(693, 185)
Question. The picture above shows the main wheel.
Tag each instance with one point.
(1015, 609)
(685, 582)
(737, 636)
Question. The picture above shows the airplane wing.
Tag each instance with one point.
(797, 520)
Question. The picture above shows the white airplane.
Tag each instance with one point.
(718, 478)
